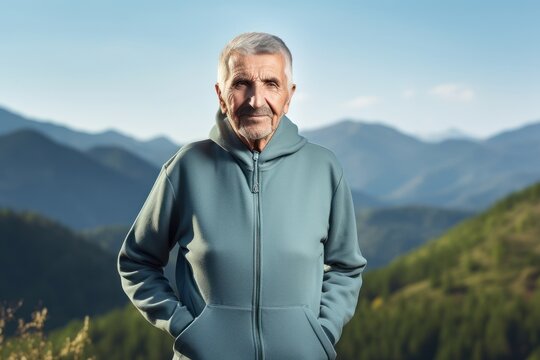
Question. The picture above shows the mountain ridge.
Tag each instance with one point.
(390, 167)
(156, 150)
(459, 173)
(37, 173)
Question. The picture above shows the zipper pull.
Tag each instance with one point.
(255, 172)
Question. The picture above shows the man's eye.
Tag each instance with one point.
(272, 84)
(240, 83)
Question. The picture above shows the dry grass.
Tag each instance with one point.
(30, 342)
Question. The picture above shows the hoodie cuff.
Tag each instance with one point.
(329, 334)
(325, 325)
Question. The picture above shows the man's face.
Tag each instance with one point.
(255, 94)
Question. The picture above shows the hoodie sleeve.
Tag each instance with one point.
(344, 265)
(145, 252)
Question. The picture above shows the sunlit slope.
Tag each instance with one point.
(472, 293)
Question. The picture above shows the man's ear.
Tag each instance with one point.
(291, 92)
(222, 104)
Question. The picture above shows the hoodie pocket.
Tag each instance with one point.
(219, 332)
(294, 333)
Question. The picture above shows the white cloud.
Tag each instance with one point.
(453, 92)
(408, 93)
(362, 102)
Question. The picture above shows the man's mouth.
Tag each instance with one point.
(255, 116)
(258, 116)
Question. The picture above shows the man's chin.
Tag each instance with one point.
(256, 134)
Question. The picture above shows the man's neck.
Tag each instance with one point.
(258, 144)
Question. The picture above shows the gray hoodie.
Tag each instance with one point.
(269, 265)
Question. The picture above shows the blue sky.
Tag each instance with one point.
(149, 68)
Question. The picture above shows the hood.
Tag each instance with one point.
(285, 141)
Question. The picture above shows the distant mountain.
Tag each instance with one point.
(522, 140)
(399, 169)
(46, 264)
(108, 238)
(364, 201)
(65, 184)
(155, 151)
(125, 162)
(472, 293)
(449, 134)
(386, 233)
(370, 153)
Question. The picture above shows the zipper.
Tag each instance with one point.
(257, 290)
(255, 182)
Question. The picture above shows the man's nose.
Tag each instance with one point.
(257, 97)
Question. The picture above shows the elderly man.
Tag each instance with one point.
(269, 265)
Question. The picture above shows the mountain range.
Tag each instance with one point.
(155, 151)
(76, 188)
(111, 175)
(400, 169)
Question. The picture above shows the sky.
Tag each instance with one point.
(148, 68)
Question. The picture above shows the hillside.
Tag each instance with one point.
(46, 264)
(39, 174)
(109, 238)
(126, 163)
(473, 293)
(386, 233)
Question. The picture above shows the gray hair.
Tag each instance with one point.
(252, 43)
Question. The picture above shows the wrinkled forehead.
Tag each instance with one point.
(255, 63)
